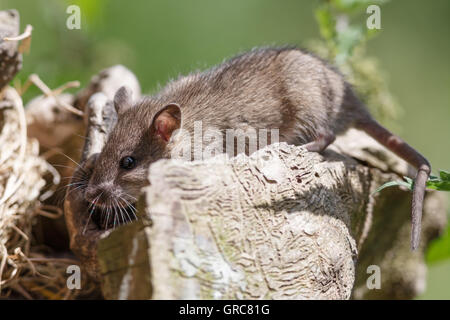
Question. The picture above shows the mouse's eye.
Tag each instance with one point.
(128, 162)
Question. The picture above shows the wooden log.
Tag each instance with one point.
(100, 117)
(82, 233)
(280, 224)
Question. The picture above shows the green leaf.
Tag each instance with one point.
(326, 22)
(393, 184)
(409, 180)
(441, 183)
(439, 249)
(444, 175)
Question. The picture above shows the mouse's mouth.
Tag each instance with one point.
(110, 217)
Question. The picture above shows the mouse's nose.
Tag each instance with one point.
(91, 194)
(99, 193)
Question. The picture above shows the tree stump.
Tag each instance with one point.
(282, 223)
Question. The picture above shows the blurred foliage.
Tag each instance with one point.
(440, 183)
(439, 249)
(92, 10)
(344, 42)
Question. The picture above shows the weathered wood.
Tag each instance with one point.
(280, 224)
(83, 235)
(133, 239)
(10, 58)
(100, 116)
(108, 81)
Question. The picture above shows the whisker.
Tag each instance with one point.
(115, 218)
(74, 184)
(63, 166)
(115, 211)
(74, 189)
(84, 137)
(78, 165)
(64, 188)
(107, 217)
(134, 198)
(118, 209)
(122, 210)
(133, 209)
(92, 211)
(77, 188)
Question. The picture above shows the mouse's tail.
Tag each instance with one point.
(406, 152)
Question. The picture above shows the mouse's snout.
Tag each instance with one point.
(100, 194)
(108, 206)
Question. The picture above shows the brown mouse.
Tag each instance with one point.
(267, 88)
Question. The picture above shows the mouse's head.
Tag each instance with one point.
(140, 137)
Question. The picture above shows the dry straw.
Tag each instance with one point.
(27, 269)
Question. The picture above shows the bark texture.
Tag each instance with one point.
(10, 58)
(280, 224)
(100, 116)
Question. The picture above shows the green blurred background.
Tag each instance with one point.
(160, 39)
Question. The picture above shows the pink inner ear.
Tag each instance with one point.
(162, 130)
(165, 123)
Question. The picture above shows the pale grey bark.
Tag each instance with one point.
(280, 224)
(10, 58)
(99, 114)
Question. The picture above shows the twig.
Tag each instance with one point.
(24, 35)
(34, 78)
(68, 85)
(44, 211)
(17, 287)
(23, 234)
(17, 102)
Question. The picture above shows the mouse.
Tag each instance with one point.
(306, 99)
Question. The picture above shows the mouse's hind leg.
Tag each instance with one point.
(321, 143)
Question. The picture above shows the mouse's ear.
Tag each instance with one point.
(166, 121)
(123, 100)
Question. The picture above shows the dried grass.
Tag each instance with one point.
(27, 269)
